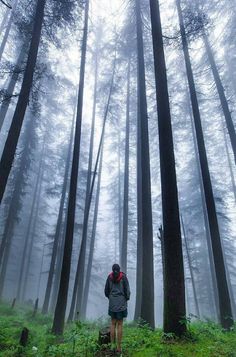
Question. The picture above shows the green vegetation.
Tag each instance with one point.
(80, 339)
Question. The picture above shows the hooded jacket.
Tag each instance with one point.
(117, 291)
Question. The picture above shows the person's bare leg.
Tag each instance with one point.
(119, 333)
(113, 331)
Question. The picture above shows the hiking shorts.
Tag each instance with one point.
(118, 315)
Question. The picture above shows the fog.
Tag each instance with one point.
(74, 201)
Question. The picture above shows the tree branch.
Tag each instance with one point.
(6, 4)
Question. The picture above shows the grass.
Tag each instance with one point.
(80, 339)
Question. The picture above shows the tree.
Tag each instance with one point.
(18, 117)
(174, 289)
(224, 298)
(59, 316)
(147, 295)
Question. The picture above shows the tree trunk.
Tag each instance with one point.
(92, 242)
(26, 241)
(18, 117)
(139, 263)
(59, 224)
(31, 237)
(79, 277)
(174, 287)
(60, 310)
(190, 270)
(223, 291)
(126, 182)
(221, 93)
(147, 302)
(214, 303)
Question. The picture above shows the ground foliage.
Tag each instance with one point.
(80, 338)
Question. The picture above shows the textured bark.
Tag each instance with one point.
(147, 302)
(223, 291)
(174, 288)
(60, 310)
(18, 117)
(126, 182)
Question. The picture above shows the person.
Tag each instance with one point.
(117, 290)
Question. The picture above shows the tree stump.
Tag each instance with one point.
(24, 337)
(13, 303)
(104, 337)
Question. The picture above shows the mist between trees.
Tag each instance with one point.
(118, 144)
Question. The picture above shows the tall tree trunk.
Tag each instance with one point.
(60, 310)
(223, 291)
(190, 269)
(58, 266)
(222, 96)
(11, 86)
(18, 117)
(92, 242)
(174, 303)
(147, 302)
(213, 292)
(31, 237)
(137, 312)
(59, 224)
(79, 276)
(27, 235)
(8, 28)
(89, 172)
(126, 181)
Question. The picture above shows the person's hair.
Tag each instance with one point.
(116, 267)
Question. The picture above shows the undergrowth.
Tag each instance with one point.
(203, 339)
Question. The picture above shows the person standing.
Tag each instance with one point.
(117, 290)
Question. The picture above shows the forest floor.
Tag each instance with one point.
(80, 339)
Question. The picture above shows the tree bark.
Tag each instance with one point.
(174, 286)
(126, 182)
(147, 302)
(18, 117)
